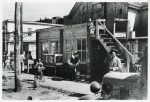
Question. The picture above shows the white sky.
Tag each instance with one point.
(33, 11)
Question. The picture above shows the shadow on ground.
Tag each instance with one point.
(76, 95)
(10, 72)
(26, 80)
(57, 79)
(9, 90)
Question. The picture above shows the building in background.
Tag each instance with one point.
(29, 40)
(127, 21)
(135, 12)
(123, 27)
(54, 20)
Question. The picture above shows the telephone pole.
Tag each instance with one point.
(21, 26)
(17, 46)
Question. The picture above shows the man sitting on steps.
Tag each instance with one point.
(115, 63)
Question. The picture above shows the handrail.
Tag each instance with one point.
(115, 39)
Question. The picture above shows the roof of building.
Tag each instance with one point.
(130, 4)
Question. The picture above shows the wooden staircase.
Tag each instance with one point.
(110, 42)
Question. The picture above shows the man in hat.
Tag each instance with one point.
(73, 62)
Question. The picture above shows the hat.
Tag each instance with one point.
(76, 52)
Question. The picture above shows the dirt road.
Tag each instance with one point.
(40, 93)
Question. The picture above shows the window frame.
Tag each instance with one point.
(81, 50)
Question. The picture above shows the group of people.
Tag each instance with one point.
(24, 60)
(113, 62)
(9, 61)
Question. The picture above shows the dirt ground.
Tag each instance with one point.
(39, 93)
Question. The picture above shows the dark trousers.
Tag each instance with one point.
(21, 66)
(39, 72)
(73, 74)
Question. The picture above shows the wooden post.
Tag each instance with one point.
(21, 26)
(97, 30)
(144, 75)
(37, 45)
(114, 28)
(5, 39)
(128, 63)
(127, 36)
(61, 41)
(17, 47)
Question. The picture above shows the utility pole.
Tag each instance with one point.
(17, 46)
(21, 26)
(5, 37)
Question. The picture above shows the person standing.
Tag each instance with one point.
(29, 56)
(29, 59)
(22, 58)
(73, 62)
(115, 62)
(12, 61)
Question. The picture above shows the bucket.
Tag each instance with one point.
(132, 34)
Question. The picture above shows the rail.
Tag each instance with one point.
(116, 39)
(128, 55)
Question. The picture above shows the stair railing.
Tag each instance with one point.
(129, 55)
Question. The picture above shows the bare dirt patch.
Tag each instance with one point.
(40, 93)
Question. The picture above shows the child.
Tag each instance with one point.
(39, 68)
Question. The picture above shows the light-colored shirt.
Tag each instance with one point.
(22, 57)
(39, 65)
(115, 62)
(7, 62)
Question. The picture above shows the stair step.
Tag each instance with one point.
(103, 35)
(112, 46)
(107, 39)
(116, 50)
(110, 43)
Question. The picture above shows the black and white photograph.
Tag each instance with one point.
(74, 50)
